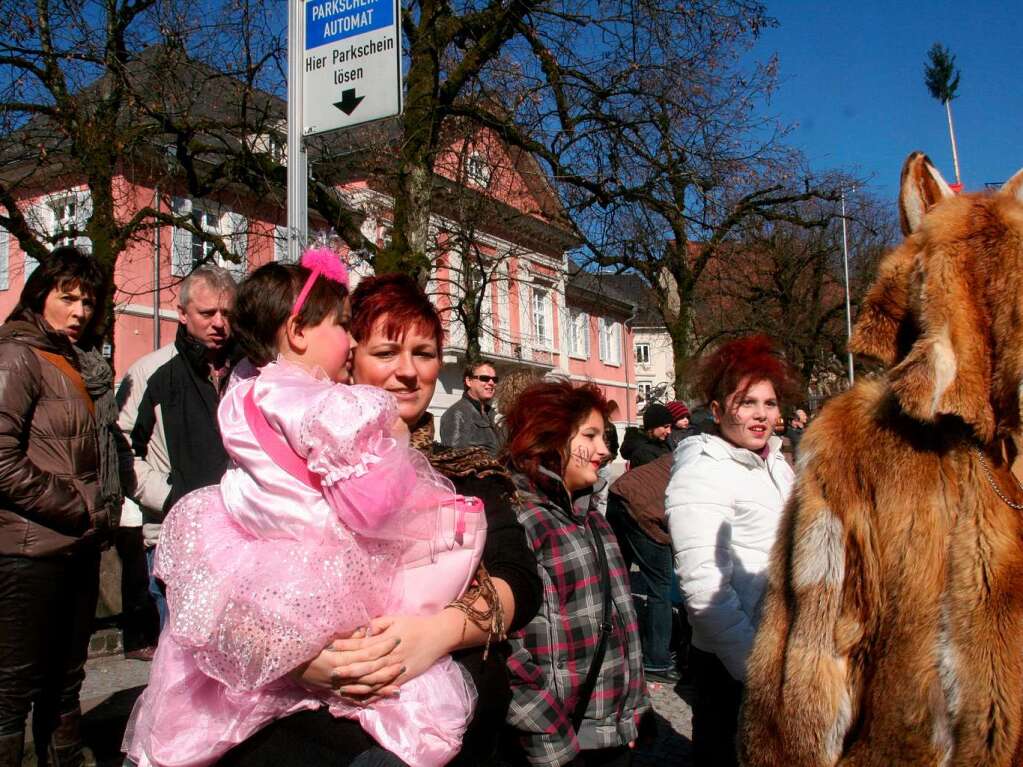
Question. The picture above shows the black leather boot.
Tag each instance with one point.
(68, 750)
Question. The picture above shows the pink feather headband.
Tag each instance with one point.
(320, 261)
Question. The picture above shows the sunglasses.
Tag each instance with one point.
(486, 379)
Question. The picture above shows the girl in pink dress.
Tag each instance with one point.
(311, 533)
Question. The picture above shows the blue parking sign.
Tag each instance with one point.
(327, 21)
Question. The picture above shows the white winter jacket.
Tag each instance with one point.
(723, 505)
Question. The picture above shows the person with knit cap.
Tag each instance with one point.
(640, 447)
(680, 428)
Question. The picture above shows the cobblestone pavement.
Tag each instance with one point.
(671, 743)
(112, 684)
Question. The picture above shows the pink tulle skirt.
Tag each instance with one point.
(244, 612)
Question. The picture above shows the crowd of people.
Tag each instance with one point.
(332, 585)
(273, 485)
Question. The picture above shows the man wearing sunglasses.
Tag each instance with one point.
(470, 421)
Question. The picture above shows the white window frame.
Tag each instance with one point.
(643, 353)
(578, 334)
(280, 235)
(540, 313)
(644, 389)
(65, 217)
(187, 253)
(610, 342)
(203, 251)
(478, 171)
(49, 215)
(72, 210)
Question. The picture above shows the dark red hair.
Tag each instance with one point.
(542, 421)
(742, 363)
(399, 298)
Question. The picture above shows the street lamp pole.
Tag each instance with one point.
(848, 303)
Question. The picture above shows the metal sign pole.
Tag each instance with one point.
(848, 304)
(298, 161)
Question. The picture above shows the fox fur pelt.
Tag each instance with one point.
(892, 628)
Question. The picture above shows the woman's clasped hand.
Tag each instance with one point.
(359, 666)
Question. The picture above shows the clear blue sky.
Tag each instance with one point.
(852, 85)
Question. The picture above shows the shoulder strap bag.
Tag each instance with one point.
(70, 373)
(586, 691)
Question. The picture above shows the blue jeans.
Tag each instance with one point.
(156, 588)
(655, 579)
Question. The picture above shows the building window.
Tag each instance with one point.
(541, 317)
(62, 218)
(190, 250)
(203, 250)
(610, 341)
(579, 334)
(645, 390)
(478, 170)
(643, 354)
(65, 218)
(277, 148)
(280, 235)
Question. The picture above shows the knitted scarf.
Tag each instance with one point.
(99, 380)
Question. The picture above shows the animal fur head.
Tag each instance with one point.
(946, 309)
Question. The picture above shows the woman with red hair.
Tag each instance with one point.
(724, 502)
(576, 668)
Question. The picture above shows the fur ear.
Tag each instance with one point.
(1013, 187)
(884, 328)
(920, 189)
(948, 369)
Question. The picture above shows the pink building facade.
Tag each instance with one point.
(536, 314)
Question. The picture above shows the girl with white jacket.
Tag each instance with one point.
(723, 503)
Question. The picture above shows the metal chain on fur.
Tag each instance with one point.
(994, 485)
(491, 619)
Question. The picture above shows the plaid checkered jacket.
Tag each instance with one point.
(551, 655)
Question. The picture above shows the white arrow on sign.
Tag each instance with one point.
(351, 68)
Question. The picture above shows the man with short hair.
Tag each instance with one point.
(470, 421)
(168, 406)
(640, 447)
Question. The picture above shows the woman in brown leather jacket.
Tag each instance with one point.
(52, 521)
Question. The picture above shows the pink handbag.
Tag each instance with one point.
(439, 570)
(433, 571)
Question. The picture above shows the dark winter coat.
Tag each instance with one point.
(638, 447)
(469, 423)
(49, 449)
(179, 408)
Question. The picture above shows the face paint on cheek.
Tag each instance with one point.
(581, 456)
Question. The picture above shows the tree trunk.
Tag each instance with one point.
(408, 251)
(101, 229)
(473, 349)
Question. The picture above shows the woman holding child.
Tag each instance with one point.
(364, 498)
